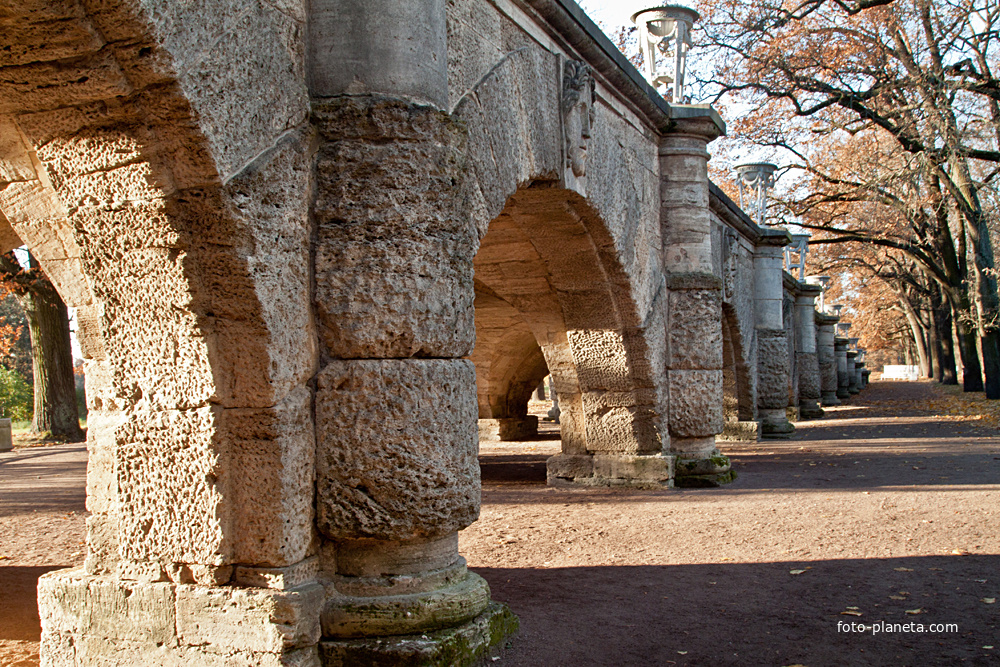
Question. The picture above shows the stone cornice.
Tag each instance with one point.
(774, 236)
(731, 214)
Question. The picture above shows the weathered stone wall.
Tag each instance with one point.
(161, 189)
(577, 255)
(733, 238)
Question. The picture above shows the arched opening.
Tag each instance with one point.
(737, 394)
(550, 298)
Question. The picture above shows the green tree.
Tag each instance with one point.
(16, 396)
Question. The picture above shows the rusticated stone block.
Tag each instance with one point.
(394, 252)
(695, 403)
(170, 475)
(740, 431)
(396, 448)
(249, 619)
(274, 451)
(71, 602)
(809, 376)
(695, 329)
(621, 422)
(772, 369)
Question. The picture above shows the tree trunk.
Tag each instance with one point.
(51, 351)
(933, 345)
(972, 371)
(919, 337)
(52, 362)
(940, 313)
(942, 316)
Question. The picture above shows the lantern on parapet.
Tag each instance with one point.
(664, 38)
(799, 248)
(824, 282)
(755, 180)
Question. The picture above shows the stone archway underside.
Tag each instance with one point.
(541, 260)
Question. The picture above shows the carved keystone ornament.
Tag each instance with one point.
(578, 114)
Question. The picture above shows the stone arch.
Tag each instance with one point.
(541, 259)
(174, 223)
(546, 252)
(509, 362)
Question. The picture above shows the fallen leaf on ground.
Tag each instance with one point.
(796, 571)
(896, 597)
(851, 612)
(903, 569)
(989, 600)
(959, 552)
(682, 652)
(914, 612)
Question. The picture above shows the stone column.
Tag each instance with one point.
(843, 381)
(772, 343)
(852, 373)
(694, 318)
(825, 334)
(397, 472)
(852, 377)
(806, 351)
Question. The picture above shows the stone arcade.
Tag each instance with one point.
(307, 243)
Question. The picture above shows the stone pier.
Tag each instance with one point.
(853, 386)
(396, 474)
(806, 351)
(773, 364)
(694, 318)
(843, 380)
(825, 334)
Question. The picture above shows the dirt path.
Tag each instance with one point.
(887, 506)
(42, 494)
(885, 511)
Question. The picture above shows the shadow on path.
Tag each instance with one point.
(753, 614)
(19, 602)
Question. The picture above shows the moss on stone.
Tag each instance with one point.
(461, 646)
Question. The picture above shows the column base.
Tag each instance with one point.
(830, 398)
(709, 472)
(774, 423)
(638, 471)
(809, 409)
(739, 431)
(853, 390)
(463, 645)
(508, 429)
